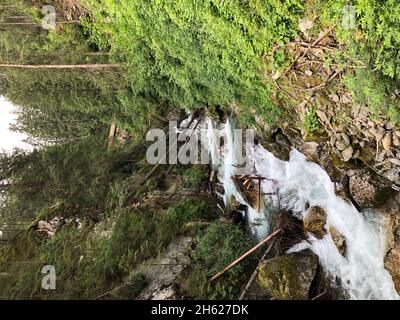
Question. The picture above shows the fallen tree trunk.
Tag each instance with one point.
(246, 254)
(60, 66)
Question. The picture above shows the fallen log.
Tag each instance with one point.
(245, 255)
(255, 273)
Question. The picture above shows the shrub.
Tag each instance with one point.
(375, 41)
(216, 248)
(198, 53)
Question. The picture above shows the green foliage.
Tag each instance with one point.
(59, 106)
(216, 248)
(372, 90)
(78, 175)
(89, 262)
(374, 41)
(194, 176)
(198, 53)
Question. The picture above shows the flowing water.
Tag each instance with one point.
(302, 183)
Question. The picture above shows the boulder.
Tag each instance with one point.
(289, 276)
(387, 141)
(346, 138)
(339, 240)
(340, 145)
(347, 153)
(314, 222)
(368, 189)
(392, 265)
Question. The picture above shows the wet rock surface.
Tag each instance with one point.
(392, 258)
(339, 240)
(289, 276)
(368, 189)
(392, 265)
(314, 222)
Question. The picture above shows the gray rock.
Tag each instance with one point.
(305, 24)
(389, 126)
(356, 154)
(368, 189)
(396, 141)
(346, 138)
(340, 145)
(395, 161)
(387, 141)
(323, 117)
(347, 153)
(314, 222)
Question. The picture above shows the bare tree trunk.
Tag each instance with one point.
(35, 24)
(61, 66)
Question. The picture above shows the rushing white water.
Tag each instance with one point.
(301, 182)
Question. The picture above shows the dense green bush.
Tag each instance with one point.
(374, 40)
(216, 248)
(197, 53)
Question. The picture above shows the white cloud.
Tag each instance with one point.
(9, 139)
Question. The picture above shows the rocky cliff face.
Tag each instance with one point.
(289, 276)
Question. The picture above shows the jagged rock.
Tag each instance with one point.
(392, 265)
(331, 287)
(387, 141)
(379, 134)
(356, 154)
(339, 240)
(289, 276)
(396, 141)
(368, 189)
(335, 98)
(346, 98)
(323, 116)
(362, 115)
(389, 126)
(340, 145)
(395, 161)
(346, 138)
(393, 174)
(314, 222)
(45, 226)
(381, 156)
(347, 153)
(308, 73)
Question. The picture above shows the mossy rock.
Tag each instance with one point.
(289, 276)
(314, 222)
(368, 189)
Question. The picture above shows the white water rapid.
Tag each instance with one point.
(301, 182)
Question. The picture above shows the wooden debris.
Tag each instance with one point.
(111, 135)
(245, 255)
(255, 273)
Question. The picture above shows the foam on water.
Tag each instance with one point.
(302, 183)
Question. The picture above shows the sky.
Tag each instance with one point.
(8, 139)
